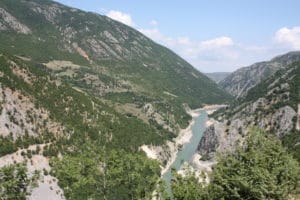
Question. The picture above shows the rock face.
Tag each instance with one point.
(209, 142)
(283, 117)
(271, 105)
(220, 137)
(9, 21)
(19, 116)
(239, 82)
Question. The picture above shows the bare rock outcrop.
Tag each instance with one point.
(19, 116)
(209, 142)
(12, 22)
(271, 106)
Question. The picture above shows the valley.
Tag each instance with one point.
(91, 108)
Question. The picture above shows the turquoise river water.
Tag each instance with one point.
(188, 149)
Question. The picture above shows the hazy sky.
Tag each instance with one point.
(213, 35)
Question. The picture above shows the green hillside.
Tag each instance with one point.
(112, 53)
(85, 92)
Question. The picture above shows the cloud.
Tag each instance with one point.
(218, 42)
(213, 43)
(153, 23)
(154, 34)
(289, 37)
(223, 53)
(121, 17)
(201, 54)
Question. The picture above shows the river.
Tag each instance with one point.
(188, 150)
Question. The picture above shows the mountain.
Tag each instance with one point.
(217, 76)
(61, 133)
(80, 94)
(105, 58)
(240, 81)
(272, 105)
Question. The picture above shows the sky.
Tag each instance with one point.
(212, 35)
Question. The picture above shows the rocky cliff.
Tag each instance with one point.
(272, 105)
(239, 82)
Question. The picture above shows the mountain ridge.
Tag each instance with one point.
(109, 49)
(95, 91)
(272, 105)
(241, 80)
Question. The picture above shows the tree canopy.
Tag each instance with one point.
(261, 169)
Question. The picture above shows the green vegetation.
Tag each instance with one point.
(188, 188)
(262, 169)
(95, 126)
(86, 115)
(14, 182)
(148, 69)
(99, 146)
(262, 88)
(102, 174)
(292, 142)
(9, 145)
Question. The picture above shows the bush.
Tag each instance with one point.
(12, 176)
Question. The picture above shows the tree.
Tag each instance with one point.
(106, 175)
(261, 169)
(13, 182)
(188, 187)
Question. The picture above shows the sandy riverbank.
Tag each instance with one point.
(201, 169)
(203, 166)
(186, 134)
(210, 109)
(183, 137)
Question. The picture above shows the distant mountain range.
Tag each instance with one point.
(217, 76)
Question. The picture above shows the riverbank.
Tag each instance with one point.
(210, 109)
(170, 150)
(201, 169)
(184, 137)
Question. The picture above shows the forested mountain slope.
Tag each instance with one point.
(105, 58)
(79, 95)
